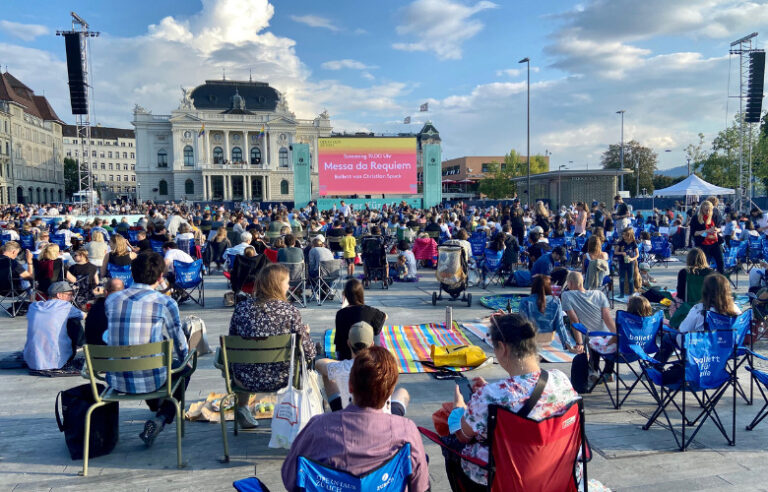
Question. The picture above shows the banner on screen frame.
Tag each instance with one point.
(367, 166)
(372, 203)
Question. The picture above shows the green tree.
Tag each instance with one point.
(721, 166)
(661, 181)
(518, 166)
(498, 184)
(696, 153)
(636, 157)
(71, 185)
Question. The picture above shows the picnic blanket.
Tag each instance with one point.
(12, 360)
(70, 369)
(209, 410)
(500, 301)
(411, 344)
(552, 352)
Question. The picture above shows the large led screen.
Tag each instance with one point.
(367, 165)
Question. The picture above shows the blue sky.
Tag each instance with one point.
(370, 64)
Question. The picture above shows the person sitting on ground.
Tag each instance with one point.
(120, 255)
(54, 331)
(545, 313)
(546, 265)
(513, 337)
(336, 373)
(318, 254)
(378, 436)
(290, 253)
(140, 315)
(590, 308)
(96, 322)
(265, 314)
(355, 312)
(695, 264)
(401, 269)
(410, 260)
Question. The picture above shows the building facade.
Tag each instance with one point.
(228, 140)
(569, 186)
(112, 162)
(32, 159)
(475, 167)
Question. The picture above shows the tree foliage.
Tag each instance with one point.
(660, 181)
(71, 185)
(499, 183)
(636, 157)
(721, 166)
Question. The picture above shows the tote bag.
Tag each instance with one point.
(105, 422)
(294, 406)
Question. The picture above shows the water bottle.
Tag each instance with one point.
(448, 316)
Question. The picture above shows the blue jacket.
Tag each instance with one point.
(548, 321)
(543, 265)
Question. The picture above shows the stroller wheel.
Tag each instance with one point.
(469, 300)
(434, 298)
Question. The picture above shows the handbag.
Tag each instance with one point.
(580, 373)
(105, 421)
(295, 406)
(457, 355)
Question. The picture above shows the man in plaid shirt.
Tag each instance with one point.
(140, 315)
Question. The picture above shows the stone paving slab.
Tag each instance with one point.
(33, 455)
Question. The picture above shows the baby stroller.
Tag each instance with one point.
(452, 272)
(375, 266)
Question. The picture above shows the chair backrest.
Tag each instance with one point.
(27, 241)
(693, 285)
(60, 240)
(187, 246)
(7, 283)
(739, 325)
(478, 241)
(133, 236)
(261, 350)
(330, 269)
(188, 275)
(122, 272)
(295, 272)
(529, 455)
(157, 246)
(389, 477)
(128, 358)
(636, 330)
(707, 355)
(245, 269)
(493, 259)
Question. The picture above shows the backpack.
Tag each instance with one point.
(580, 373)
(522, 278)
(197, 335)
(105, 421)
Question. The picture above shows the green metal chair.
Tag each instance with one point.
(127, 358)
(263, 350)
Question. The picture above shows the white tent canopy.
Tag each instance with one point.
(693, 185)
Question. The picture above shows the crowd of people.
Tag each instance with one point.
(65, 262)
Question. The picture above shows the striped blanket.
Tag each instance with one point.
(552, 352)
(411, 344)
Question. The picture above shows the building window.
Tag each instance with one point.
(283, 160)
(109, 154)
(103, 166)
(111, 177)
(133, 178)
(125, 167)
(102, 154)
(218, 155)
(110, 166)
(95, 166)
(189, 187)
(284, 187)
(93, 154)
(133, 167)
(125, 177)
(125, 155)
(163, 186)
(255, 155)
(162, 158)
(132, 155)
(237, 154)
(486, 167)
(118, 177)
(189, 156)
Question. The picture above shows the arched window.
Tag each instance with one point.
(218, 155)
(162, 158)
(255, 155)
(163, 186)
(283, 161)
(189, 187)
(237, 154)
(61, 195)
(284, 187)
(189, 156)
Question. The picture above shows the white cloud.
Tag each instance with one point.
(25, 32)
(440, 26)
(315, 21)
(346, 63)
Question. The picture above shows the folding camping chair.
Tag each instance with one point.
(660, 251)
(187, 246)
(705, 370)
(478, 241)
(60, 240)
(530, 455)
(762, 382)
(630, 330)
(157, 246)
(188, 279)
(754, 251)
(297, 282)
(243, 272)
(133, 236)
(27, 241)
(492, 268)
(11, 289)
(121, 272)
(392, 476)
(328, 281)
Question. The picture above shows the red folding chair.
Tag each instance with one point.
(530, 455)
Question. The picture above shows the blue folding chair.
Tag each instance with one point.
(133, 236)
(705, 371)
(633, 330)
(492, 268)
(188, 279)
(121, 272)
(755, 252)
(390, 477)
(478, 241)
(5, 237)
(661, 251)
(60, 240)
(157, 246)
(27, 241)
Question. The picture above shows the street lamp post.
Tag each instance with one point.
(527, 61)
(559, 177)
(621, 151)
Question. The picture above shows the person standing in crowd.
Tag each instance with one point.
(348, 245)
(627, 254)
(621, 214)
(706, 234)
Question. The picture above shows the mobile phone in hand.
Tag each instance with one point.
(465, 387)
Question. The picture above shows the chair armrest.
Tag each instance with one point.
(580, 328)
(759, 356)
(434, 437)
(602, 334)
(638, 350)
(192, 355)
(670, 330)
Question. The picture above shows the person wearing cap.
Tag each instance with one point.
(362, 436)
(317, 254)
(54, 329)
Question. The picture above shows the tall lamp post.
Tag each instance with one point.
(559, 175)
(527, 61)
(621, 151)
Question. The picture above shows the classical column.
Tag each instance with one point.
(205, 188)
(265, 189)
(246, 193)
(229, 186)
(227, 150)
(207, 148)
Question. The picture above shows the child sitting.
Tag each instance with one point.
(401, 270)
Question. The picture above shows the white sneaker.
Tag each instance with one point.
(245, 419)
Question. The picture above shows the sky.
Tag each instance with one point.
(371, 64)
